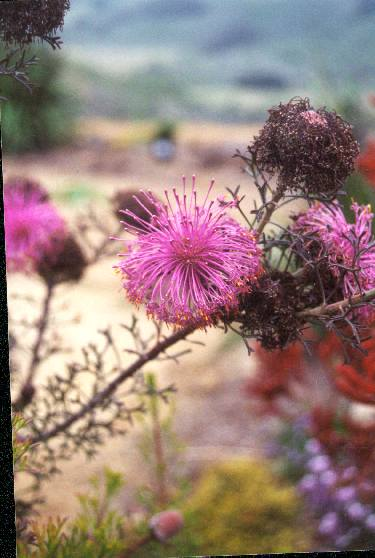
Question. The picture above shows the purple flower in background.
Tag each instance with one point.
(350, 248)
(308, 483)
(328, 478)
(329, 524)
(349, 473)
(313, 446)
(190, 262)
(33, 227)
(346, 494)
(318, 464)
(339, 500)
(302, 423)
(344, 540)
(356, 511)
(370, 522)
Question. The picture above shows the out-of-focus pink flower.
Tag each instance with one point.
(33, 227)
(350, 248)
(166, 524)
(190, 262)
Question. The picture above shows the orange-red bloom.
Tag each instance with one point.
(357, 378)
(366, 162)
(275, 372)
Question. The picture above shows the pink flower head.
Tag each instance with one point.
(33, 228)
(314, 118)
(166, 524)
(350, 247)
(190, 261)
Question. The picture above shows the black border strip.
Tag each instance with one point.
(7, 505)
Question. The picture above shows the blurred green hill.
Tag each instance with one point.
(204, 59)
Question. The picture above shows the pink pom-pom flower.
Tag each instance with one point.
(190, 261)
(350, 247)
(33, 227)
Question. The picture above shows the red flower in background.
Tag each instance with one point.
(356, 380)
(366, 162)
(329, 350)
(275, 373)
(323, 376)
(346, 436)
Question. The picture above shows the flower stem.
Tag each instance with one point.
(270, 208)
(22, 401)
(331, 309)
(105, 393)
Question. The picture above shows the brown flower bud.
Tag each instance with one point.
(66, 264)
(166, 524)
(124, 199)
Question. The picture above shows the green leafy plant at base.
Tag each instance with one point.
(42, 119)
(20, 445)
(97, 532)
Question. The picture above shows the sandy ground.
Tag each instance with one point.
(212, 416)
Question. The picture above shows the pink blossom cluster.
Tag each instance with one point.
(350, 247)
(190, 261)
(33, 227)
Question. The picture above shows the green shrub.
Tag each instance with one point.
(237, 507)
(43, 118)
(20, 444)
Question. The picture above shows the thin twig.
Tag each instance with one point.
(21, 402)
(270, 208)
(331, 309)
(105, 393)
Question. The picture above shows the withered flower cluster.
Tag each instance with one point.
(268, 312)
(24, 21)
(310, 151)
(317, 268)
(124, 203)
(68, 263)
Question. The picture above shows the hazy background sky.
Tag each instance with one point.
(225, 60)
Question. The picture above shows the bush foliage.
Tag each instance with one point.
(42, 119)
(97, 532)
(239, 507)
